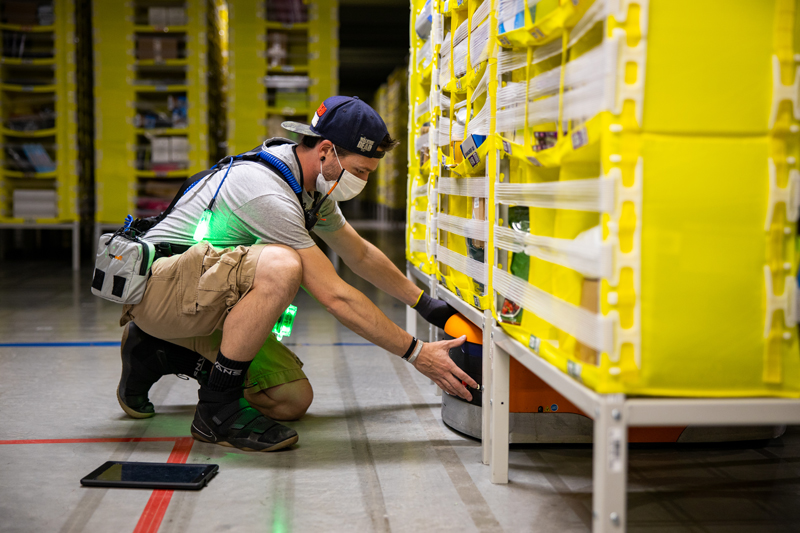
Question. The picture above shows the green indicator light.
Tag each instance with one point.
(202, 227)
(283, 327)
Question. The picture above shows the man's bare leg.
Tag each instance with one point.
(223, 415)
(288, 401)
(277, 280)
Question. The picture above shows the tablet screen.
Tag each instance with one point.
(151, 472)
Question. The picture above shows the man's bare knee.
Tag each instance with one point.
(278, 263)
(289, 401)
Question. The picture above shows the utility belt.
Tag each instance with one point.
(165, 249)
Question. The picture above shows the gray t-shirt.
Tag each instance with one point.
(254, 206)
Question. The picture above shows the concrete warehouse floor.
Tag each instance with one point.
(373, 453)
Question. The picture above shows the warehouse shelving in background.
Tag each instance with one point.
(282, 63)
(386, 187)
(425, 36)
(151, 102)
(39, 170)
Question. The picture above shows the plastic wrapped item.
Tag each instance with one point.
(542, 140)
(426, 55)
(519, 220)
(177, 111)
(287, 11)
(478, 45)
(424, 21)
(477, 249)
(511, 14)
(35, 203)
(423, 150)
(277, 48)
(460, 58)
(287, 82)
(422, 108)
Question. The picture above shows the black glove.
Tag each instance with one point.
(437, 312)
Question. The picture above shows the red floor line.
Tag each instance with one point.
(84, 441)
(156, 507)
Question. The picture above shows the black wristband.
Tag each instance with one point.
(410, 348)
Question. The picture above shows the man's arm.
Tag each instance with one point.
(369, 263)
(359, 314)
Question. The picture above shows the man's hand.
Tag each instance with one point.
(434, 362)
(435, 311)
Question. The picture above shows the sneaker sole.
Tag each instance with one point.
(274, 447)
(130, 412)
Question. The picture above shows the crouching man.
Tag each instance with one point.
(210, 306)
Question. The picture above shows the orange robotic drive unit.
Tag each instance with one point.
(539, 414)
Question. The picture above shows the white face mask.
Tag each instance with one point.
(348, 185)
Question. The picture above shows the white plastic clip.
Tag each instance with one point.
(781, 92)
(789, 195)
(786, 301)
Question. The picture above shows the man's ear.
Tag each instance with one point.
(325, 149)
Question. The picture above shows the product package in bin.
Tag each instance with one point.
(469, 148)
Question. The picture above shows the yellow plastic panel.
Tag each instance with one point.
(709, 67)
(247, 105)
(703, 254)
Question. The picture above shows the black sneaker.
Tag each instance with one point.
(145, 359)
(227, 419)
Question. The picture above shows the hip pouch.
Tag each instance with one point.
(122, 267)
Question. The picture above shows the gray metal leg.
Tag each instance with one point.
(486, 382)
(433, 331)
(501, 368)
(610, 465)
(411, 315)
(97, 232)
(76, 246)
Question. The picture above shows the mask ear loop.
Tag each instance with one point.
(311, 214)
(340, 174)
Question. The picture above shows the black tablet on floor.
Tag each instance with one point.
(150, 475)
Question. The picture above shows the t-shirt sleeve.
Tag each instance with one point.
(275, 219)
(334, 219)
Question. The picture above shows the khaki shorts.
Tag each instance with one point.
(188, 297)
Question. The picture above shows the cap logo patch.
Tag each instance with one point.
(320, 110)
(365, 145)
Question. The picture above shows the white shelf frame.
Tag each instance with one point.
(74, 227)
(613, 414)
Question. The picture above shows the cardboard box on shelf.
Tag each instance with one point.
(157, 48)
(157, 16)
(35, 203)
(160, 150)
(179, 149)
(176, 16)
(24, 13)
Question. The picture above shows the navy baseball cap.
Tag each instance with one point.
(347, 122)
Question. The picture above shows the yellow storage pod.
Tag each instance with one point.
(283, 62)
(151, 103)
(463, 146)
(421, 182)
(38, 109)
(647, 193)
